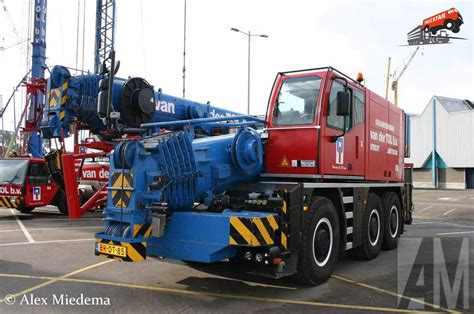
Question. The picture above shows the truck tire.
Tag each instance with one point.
(456, 29)
(427, 29)
(372, 229)
(61, 202)
(25, 210)
(392, 218)
(449, 24)
(319, 244)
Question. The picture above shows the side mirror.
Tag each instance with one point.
(343, 104)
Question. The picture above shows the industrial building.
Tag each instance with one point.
(442, 147)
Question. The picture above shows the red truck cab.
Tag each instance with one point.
(26, 184)
(310, 140)
(450, 19)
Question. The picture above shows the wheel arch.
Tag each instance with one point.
(380, 192)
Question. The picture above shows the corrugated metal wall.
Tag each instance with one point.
(454, 137)
(421, 137)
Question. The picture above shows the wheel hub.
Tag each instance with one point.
(322, 242)
(374, 227)
(393, 221)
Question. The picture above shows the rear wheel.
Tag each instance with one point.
(392, 226)
(320, 242)
(372, 229)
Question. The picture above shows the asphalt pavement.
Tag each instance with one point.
(47, 265)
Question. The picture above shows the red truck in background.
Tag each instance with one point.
(26, 183)
(450, 19)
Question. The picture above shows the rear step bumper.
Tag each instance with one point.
(193, 236)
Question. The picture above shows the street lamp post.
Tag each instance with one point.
(249, 35)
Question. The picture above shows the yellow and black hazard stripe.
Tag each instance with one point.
(54, 96)
(252, 231)
(136, 251)
(6, 202)
(64, 94)
(141, 231)
(62, 113)
(284, 221)
(120, 196)
(284, 237)
(59, 96)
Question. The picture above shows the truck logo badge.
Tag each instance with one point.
(340, 151)
(37, 193)
(434, 29)
(284, 162)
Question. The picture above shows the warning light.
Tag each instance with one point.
(360, 77)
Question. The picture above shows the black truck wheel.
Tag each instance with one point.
(449, 24)
(25, 209)
(392, 218)
(372, 229)
(61, 202)
(320, 243)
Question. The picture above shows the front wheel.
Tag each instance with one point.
(320, 242)
(61, 202)
(456, 29)
(25, 209)
(372, 229)
(449, 24)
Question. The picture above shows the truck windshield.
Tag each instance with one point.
(13, 171)
(296, 103)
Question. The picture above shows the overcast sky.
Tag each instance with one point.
(352, 36)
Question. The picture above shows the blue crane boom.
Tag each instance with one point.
(74, 98)
(36, 86)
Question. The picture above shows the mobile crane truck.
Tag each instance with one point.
(325, 176)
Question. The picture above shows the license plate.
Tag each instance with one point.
(112, 249)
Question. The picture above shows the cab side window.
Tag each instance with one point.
(38, 174)
(333, 120)
(359, 107)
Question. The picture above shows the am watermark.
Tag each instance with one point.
(434, 271)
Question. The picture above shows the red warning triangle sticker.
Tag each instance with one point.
(284, 162)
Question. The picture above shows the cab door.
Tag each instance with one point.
(343, 155)
(39, 188)
(291, 150)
